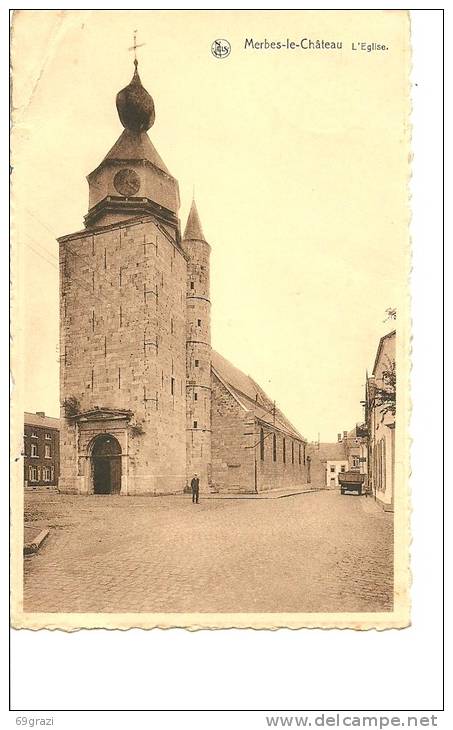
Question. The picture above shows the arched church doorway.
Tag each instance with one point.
(106, 465)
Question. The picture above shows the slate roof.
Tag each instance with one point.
(388, 336)
(250, 396)
(136, 146)
(32, 419)
(193, 230)
(334, 451)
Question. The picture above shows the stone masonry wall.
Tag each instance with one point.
(237, 465)
(317, 469)
(198, 362)
(122, 345)
(288, 468)
(232, 433)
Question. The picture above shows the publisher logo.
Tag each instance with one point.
(221, 48)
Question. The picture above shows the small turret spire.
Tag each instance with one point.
(194, 230)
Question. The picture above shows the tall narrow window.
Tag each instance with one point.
(274, 447)
(33, 449)
(197, 362)
(284, 451)
(261, 444)
(191, 285)
(195, 396)
(199, 322)
(172, 386)
(195, 424)
(47, 451)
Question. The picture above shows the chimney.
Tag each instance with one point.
(339, 437)
(41, 413)
(345, 434)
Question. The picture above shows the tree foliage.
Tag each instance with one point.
(71, 406)
(385, 394)
(391, 313)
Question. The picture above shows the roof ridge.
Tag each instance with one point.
(227, 386)
(245, 386)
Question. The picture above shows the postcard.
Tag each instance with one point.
(210, 319)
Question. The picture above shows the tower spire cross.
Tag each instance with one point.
(135, 46)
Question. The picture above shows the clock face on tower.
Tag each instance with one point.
(126, 182)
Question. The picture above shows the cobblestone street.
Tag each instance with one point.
(312, 552)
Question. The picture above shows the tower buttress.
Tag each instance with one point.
(198, 351)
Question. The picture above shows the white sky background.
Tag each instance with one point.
(298, 160)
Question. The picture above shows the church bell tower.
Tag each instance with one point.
(132, 179)
(123, 281)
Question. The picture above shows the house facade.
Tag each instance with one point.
(355, 443)
(328, 460)
(41, 450)
(380, 412)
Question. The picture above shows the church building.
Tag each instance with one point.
(145, 402)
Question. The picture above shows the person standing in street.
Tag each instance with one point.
(195, 485)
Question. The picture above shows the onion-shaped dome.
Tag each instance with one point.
(135, 106)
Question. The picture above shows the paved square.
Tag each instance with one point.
(311, 552)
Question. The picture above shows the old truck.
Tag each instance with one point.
(351, 481)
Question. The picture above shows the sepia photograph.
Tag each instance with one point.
(210, 319)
